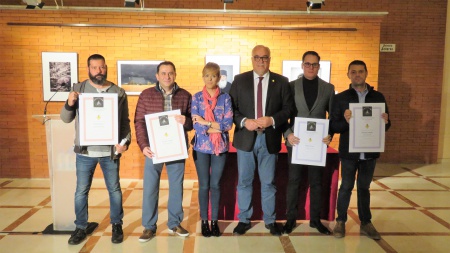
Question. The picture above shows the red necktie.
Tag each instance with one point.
(259, 106)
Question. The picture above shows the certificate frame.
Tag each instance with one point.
(59, 72)
(292, 69)
(367, 129)
(166, 136)
(311, 150)
(98, 119)
(136, 76)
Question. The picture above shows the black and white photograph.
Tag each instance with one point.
(229, 67)
(59, 72)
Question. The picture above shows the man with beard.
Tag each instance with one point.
(224, 85)
(87, 157)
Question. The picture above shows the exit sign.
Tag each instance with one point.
(387, 48)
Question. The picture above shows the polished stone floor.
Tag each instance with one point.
(410, 208)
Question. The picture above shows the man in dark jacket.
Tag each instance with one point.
(362, 164)
(165, 96)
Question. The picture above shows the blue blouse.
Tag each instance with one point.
(223, 114)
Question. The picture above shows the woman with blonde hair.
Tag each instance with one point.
(212, 115)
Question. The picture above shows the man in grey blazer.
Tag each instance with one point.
(313, 99)
(257, 135)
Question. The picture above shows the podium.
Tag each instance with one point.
(62, 171)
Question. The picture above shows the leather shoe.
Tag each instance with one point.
(320, 227)
(289, 226)
(205, 228)
(215, 231)
(273, 228)
(241, 228)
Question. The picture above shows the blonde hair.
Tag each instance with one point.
(211, 67)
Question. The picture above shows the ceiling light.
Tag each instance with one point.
(31, 4)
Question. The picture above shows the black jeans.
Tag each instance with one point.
(296, 171)
(365, 170)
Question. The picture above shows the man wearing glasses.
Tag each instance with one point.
(262, 105)
(313, 99)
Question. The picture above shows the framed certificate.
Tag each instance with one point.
(311, 150)
(367, 128)
(166, 136)
(98, 119)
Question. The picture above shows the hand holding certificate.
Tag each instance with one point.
(310, 150)
(367, 127)
(166, 136)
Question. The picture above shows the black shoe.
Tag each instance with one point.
(274, 230)
(215, 231)
(205, 228)
(320, 227)
(289, 226)
(117, 233)
(241, 228)
(77, 236)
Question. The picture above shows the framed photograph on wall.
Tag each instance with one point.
(293, 70)
(229, 67)
(136, 76)
(59, 72)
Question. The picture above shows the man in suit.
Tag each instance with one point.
(262, 105)
(313, 98)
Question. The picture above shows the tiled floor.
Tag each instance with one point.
(410, 203)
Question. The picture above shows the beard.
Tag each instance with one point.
(222, 84)
(98, 79)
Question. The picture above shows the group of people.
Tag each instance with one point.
(263, 106)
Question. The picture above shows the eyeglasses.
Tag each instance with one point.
(309, 65)
(261, 58)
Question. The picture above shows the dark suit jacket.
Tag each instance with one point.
(279, 105)
(322, 105)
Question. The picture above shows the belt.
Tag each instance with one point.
(260, 131)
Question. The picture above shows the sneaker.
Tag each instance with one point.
(339, 229)
(179, 230)
(117, 233)
(241, 228)
(369, 230)
(147, 235)
(77, 236)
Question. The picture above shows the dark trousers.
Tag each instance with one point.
(296, 171)
(349, 169)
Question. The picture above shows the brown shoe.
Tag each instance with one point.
(147, 235)
(370, 231)
(179, 230)
(339, 229)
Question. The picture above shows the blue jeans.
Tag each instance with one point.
(365, 170)
(209, 171)
(85, 171)
(246, 172)
(152, 176)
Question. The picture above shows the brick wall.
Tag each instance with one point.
(404, 77)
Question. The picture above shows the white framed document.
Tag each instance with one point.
(367, 128)
(98, 119)
(311, 150)
(166, 136)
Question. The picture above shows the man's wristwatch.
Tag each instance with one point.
(209, 124)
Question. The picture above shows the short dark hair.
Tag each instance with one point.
(95, 57)
(166, 63)
(310, 53)
(357, 62)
